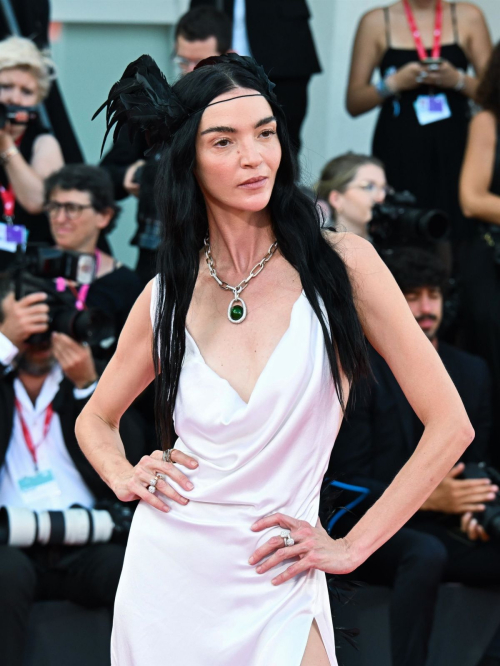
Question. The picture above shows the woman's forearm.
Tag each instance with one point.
(102, 446)
(362, 99)
(485, 207)
(26, 183)
(439, 449)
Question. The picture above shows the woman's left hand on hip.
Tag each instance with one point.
(312, 545)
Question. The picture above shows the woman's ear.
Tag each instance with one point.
(335, 200)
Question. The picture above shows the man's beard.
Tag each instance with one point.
(35, 368)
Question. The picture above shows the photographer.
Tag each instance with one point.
(352, 185)
(80, 206)
(200, 33)
(28, 152)
(445, 540)
(43, 388)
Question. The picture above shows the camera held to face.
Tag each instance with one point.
(35, 270)
(17, 115)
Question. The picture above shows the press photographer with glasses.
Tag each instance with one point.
(352, 184)
(80, 206)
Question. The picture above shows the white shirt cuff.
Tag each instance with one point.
(8, 350)
(80, 394)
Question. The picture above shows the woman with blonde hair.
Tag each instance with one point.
(28, 152)
(352, 184)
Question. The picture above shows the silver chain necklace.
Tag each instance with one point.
(237, 310)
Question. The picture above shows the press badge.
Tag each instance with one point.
(431, 108)
(38, 486)
(12, 235)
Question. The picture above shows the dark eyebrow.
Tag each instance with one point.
(265, 121)
(224, 129)
(219, 129)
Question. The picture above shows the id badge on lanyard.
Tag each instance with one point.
(429, 108)
(11, 235)
(41, 484)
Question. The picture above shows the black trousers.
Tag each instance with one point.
(414, 563)
(86, 575)
(292, 95)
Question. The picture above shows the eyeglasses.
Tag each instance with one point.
(184, 63)
(71, 210)
(371, 188)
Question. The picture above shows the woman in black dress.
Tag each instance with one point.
(422, 158)
(480, 264)
(28, 152)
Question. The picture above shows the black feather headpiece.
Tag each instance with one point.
(144, 100)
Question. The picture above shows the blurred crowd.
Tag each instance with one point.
(427, 196)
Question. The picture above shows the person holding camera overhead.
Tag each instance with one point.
(423, 49)
(352, 185)
(28, 152)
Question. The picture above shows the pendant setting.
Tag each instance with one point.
(237, 310)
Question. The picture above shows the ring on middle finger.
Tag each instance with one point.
(153, 481)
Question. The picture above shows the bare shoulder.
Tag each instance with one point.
(358, 254)
(373, 18)
(468, 11)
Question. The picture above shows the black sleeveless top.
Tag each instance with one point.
(37, 225)
(425, 159)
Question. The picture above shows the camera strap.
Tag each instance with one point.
(81, 293)
(438, 30)
(9, 202)
(32, 447)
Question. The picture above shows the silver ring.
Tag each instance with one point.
(153, 481)
(288, 541)
(167, 456)
(152, 489)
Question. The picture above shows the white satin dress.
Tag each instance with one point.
(187, 594)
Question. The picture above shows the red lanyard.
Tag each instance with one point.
(9, 202)
(438, 29)
(32, 448)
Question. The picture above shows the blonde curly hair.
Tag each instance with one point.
(22, 53)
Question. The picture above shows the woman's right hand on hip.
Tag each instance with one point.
(133, 484)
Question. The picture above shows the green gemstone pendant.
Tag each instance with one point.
(237, 311)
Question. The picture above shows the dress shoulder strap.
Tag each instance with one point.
(387, 20)
(454, 20)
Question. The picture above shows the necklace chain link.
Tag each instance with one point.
(258, 268)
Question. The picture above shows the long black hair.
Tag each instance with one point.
(295, 224)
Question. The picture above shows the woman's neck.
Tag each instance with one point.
(238, 240)
(423, 4)
(360, 229)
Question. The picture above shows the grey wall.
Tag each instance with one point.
(99, 37)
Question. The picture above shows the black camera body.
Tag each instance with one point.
(398, 221)
(17, 115)
(34, 271)
(489, 519)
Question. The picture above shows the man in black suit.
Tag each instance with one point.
(43, 388)
(280, 39)
(443, 541)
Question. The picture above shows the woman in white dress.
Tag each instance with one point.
(226, 558)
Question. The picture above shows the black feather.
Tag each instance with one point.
(144, 101)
